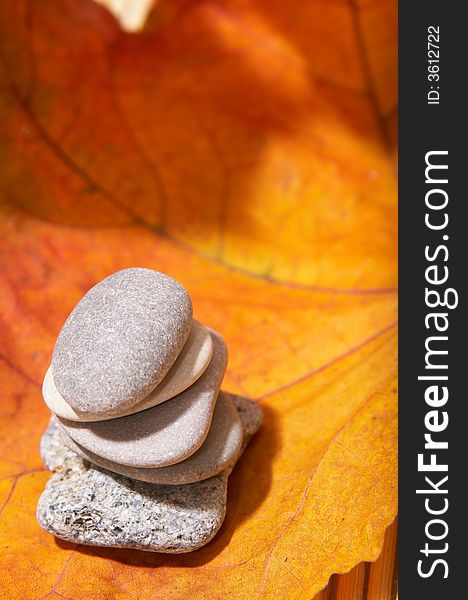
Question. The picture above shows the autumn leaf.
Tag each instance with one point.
(247, 149)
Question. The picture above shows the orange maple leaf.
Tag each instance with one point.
(246, 149)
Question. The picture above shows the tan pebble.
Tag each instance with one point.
(162, 435)
(188, 367)
(219, 450)
(120, 341)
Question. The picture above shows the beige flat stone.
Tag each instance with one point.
(218, 451)
(163, 435)
(188, 367)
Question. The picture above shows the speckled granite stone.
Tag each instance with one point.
(217, 452)
(162, 435)
(88, 505)
(190, 364)
(120, 341)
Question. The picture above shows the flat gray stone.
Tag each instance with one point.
(87, 505)
(163, 435)
(191, 363)
(120, 340)
(217, 452)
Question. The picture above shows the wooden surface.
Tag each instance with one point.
(369, 581)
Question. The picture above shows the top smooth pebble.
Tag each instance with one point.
(120, 341)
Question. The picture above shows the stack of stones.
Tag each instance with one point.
(141, 440)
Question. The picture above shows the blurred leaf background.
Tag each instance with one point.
(247, 148)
